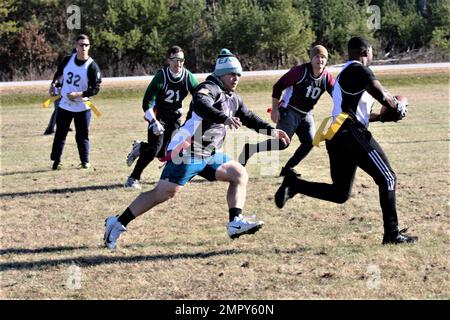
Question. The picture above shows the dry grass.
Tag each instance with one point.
(52, 222)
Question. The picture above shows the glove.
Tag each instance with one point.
(157, 128)
(402, 109)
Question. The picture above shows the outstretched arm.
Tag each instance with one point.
(253, 121)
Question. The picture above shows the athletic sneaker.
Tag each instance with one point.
(56, 165)
(241, 225)
(132, 183)
(134, 153)
(84, 165)
(399, 237)
(113, 229)
(284, 192)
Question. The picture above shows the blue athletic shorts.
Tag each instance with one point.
(184, 172)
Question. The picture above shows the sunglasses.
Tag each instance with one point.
(84, 44)
(175, 59)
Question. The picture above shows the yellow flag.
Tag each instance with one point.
(93, 108)
(47, 102)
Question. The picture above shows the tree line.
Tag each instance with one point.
(130, 37)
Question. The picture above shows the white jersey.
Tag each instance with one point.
(75, 79)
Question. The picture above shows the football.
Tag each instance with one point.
(390, 114)
(402, 99)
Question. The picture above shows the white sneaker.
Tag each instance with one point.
(242, 225)
(134, 153)
(84, 166)
(113, 229)
(132, 183)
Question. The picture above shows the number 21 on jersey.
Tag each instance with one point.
(171, 94)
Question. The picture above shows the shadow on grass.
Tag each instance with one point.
(24, 172)
(80, 189)
(62, 190)
(107, 259)
(72, 167)
(40, 250)
(86, 188)
(416, 141)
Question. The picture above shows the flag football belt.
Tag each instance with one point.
(47, 103)
(93, 108)
(322, 135)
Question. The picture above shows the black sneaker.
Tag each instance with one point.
(56, 165)
(399, 237)
(284, 193)
(289, 171)
(48, 132)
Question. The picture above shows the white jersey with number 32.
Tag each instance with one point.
(75, 80)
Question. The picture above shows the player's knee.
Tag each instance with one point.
(166, 192)
(393, 177)
(393, 180)
(388, 181)
(240, 175)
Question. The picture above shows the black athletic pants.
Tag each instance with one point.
(63, 119)
(292, 121)
(154, 147)
(353, 146)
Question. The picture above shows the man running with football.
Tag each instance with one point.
(353, 145)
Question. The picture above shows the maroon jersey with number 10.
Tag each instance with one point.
(303, 90)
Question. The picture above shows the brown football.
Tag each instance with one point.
(402, 99)
(390, 114)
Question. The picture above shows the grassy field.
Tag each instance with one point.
(52, 221)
